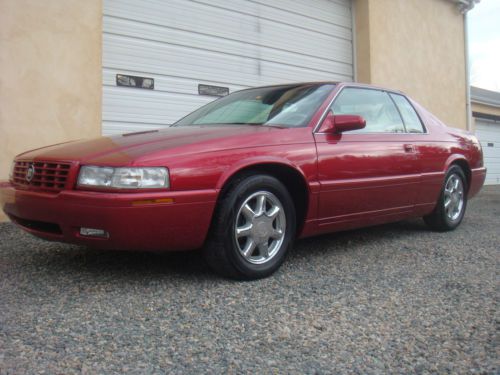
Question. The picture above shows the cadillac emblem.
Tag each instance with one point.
(30, 173)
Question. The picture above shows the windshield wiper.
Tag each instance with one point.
(246, 123)
(257, 124)
(235, 123)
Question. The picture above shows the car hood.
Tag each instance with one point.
(127, 148)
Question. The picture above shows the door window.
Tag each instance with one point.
(410, 117)
(375, 106)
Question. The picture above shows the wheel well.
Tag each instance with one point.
(465, 168)
(289, 177)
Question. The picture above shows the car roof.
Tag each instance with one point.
(337, 83)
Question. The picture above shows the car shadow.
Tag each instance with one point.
(130, 264)
(59, 258)
(341, 240)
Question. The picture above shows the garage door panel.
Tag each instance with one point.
(198, 19)
(488, 133)
(490, 153)
(272, 73)
(329, 12)
(160, 108)
(492, 178)
(148, 56)
(155, 33)
(492, 163)
(334, 19)
(489, 136)
(172, 84)
(308, 42)
(234, 44)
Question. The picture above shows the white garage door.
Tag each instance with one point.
(232, 44)
(488, 132)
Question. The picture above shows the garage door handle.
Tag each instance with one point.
(409, 148)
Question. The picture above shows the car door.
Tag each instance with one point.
(432, 153)
(366, 175)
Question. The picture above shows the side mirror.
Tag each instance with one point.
(341, 123)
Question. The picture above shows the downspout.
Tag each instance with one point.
(467, 75)
(354, 44)
(464, 6)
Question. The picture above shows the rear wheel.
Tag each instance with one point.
(450, 208)
(253, 228)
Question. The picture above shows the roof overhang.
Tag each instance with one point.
(487, 97)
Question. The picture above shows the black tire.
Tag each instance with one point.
(223, 251)
(440, 219)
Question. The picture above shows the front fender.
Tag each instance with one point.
(255, 162)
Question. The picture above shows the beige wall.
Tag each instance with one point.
(416, 46)
(50, 81)
(486, 109)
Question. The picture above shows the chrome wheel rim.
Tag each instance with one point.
(453, 197)
(260, 227)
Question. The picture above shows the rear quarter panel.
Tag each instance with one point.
(441, 147)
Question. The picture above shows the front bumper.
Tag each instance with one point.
(134, 221)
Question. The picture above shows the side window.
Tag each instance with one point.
(375, 106)
(410, 117)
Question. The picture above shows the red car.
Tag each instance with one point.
(245, 175)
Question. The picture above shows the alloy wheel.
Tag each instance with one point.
(453, 197)
(260, 227)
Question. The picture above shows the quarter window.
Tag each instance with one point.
(375, 106)
(410, 117)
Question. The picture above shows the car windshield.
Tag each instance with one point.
(284, 106)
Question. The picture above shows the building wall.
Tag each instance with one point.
(50, 86)
(486, 109)
(416, 46)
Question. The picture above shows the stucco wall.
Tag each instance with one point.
(416, 46)
(50, 81)
(486, 109)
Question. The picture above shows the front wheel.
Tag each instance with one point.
(450, 208)
(253, 228)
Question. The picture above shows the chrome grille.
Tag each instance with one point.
(47, 175)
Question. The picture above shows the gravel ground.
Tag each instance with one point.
(389, 299)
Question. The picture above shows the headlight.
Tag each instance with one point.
(124, 178)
